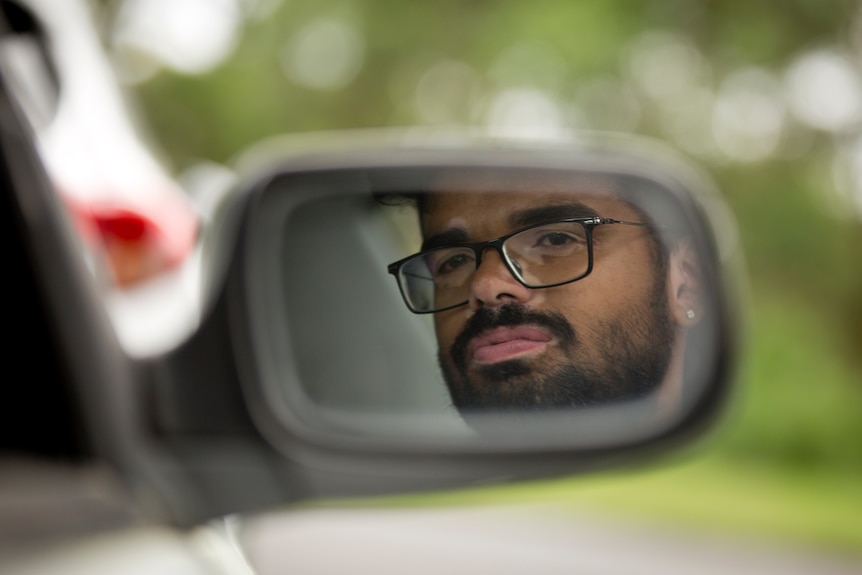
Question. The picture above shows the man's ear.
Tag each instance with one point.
(685, 288)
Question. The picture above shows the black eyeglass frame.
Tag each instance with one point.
(497, 244)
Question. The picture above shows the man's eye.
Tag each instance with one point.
(450, 264)
(554, 239)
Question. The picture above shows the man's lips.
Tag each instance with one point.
(504, 343)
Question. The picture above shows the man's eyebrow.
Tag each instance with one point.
(519, 219)
(446, 238)
(541, 214)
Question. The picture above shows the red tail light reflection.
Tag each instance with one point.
(136, 246)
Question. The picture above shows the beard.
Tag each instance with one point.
(630, 358)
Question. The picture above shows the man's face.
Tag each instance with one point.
(603, 338)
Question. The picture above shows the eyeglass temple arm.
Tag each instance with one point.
(598, 221)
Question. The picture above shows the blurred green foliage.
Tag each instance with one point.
(799, 404)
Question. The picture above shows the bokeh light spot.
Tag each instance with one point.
(189, 36)
(447, 93)
(825, 90)
(526, 113)
(666, 66)
(326, 55)
(749, 115)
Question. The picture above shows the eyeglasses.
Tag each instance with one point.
(541, 256)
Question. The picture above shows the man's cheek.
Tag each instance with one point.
(447, 329)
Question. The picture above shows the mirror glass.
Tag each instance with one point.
(478, 304)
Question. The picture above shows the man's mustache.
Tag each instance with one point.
(509, 315)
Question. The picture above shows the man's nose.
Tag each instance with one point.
(494, 285)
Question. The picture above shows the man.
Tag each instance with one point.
(549, 296)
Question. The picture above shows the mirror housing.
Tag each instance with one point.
(239, 406)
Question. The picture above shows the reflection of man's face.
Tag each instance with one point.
(605, 337)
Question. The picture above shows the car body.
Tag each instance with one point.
(134, 218)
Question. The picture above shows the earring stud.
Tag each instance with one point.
(689, 314)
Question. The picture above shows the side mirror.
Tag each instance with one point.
(408, 316)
